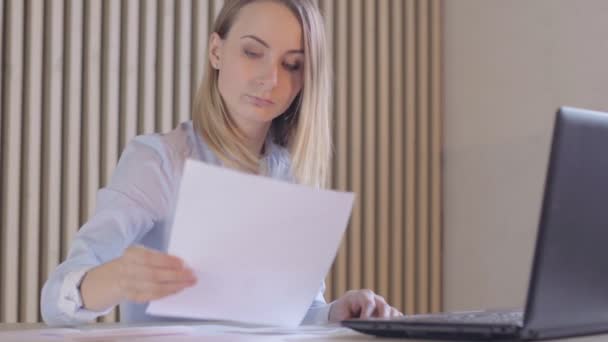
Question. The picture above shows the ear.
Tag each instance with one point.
(215, 50)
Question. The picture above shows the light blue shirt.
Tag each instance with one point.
(136, 208)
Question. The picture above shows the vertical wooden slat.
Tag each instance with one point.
(369, 157)
(397, 262)
(326, 8)
(422, 127)
(32, 132)
(11, 173)
(183, 71)
(110, 96)
(129, 71)
(356, 137)
(52, 132)
(200, 36)
(383, 149)
(341, 131)
(147, 64)
(2, 41)
(90, 153)
(410, 153)
(2, 162)
(436, 142)
(164, 84)
(110, 87)
(209, 14)
(72, 122)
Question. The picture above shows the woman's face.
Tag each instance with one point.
(260, 63)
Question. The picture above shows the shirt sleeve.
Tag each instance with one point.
(318, 313)
(136, 197)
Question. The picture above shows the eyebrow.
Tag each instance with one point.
(259, 40)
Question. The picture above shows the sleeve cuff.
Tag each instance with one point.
(70, 300)
(317, 315)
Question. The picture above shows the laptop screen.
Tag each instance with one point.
(569, 283)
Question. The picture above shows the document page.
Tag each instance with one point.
(259, 247)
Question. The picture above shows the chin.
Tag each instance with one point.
(263, 115)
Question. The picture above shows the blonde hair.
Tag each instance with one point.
(304, 128)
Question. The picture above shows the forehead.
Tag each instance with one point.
(270, 21)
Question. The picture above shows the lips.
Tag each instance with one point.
(260, 102)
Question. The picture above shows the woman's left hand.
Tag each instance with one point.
(361, 304)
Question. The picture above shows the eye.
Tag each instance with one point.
(293, 66)
(251, 54)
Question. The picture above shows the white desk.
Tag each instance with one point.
(190, 332)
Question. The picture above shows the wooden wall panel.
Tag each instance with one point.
(387, 130)
(81, 78)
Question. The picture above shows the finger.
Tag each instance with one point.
(367, 303)
(166, 275)
(395, 313)
(382, 308)
(146, 292)
(144, 256)
(162, 290)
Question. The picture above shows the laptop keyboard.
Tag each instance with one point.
(483, 317)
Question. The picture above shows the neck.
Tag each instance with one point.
(255, 136)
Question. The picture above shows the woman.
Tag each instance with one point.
(263, 108)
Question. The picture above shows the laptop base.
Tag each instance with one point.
(458, 332)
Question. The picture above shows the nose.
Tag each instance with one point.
(269, 77)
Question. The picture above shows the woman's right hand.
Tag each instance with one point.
(139, 275)
(145, 274)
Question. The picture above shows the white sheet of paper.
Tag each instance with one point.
(127, 333)
(90, 333)
(260, 247)
(55, 334)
